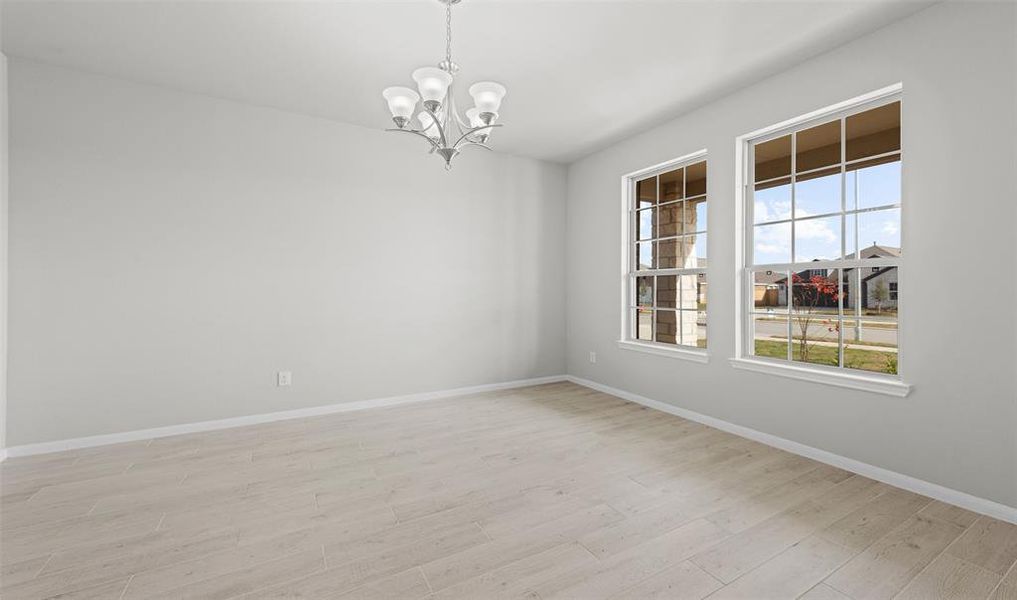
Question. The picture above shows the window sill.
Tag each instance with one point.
(700, 356)
(865, 383)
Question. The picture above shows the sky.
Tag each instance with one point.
(820, 238)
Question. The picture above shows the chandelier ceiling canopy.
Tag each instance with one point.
(438, 120)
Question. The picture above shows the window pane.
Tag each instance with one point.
(879, 292)
(772, 243)
(817, 147)
(700, 341)
(644, 256)
(670, 253)
(669, 219)
(646, 192)
(870, 185)
(770, 291)
(876, 287)
(770, 336)
(688, 321)
(693, 291)
(666, 328)
(879, 233)
(695, 215)
(671, 185)
(667, 291)
(693, 304)
(773, 158)
(644, 324)
(644, 291)
(817, 239)
(815, 317)
(871, 345)
(772, 201)
(818, 193)
(873, 132)
(816, 340)
(694, 247)
(814, 293)
(644, 224)
(695, 179)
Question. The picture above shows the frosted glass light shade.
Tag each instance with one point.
(487, 95)
(473, 115)
(432, 83)
(427, 125)
(402, 101)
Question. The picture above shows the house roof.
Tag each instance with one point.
(878, 251)
(770, 277)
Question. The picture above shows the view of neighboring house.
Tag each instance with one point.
(770, 289)
(878, 284)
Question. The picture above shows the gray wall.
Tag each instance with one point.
(957, 63)
(171, 252)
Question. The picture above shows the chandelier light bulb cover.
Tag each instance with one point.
(487, 96)
(402, 101)
(432, 83)
(440, 123)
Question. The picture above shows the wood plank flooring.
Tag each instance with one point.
(553, 491)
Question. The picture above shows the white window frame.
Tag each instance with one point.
(893, 385)
(629, 273)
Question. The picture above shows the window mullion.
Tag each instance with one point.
(794, 186)
(843, 241)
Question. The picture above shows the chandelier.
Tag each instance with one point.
(440, 123)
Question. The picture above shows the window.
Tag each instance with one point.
(822, 246)
(665, 284)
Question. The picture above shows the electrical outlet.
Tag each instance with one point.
(593, 357)
(284, 378)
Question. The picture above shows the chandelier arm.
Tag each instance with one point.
(463, 126)
(438, 125)
(471, 144)
(452, 113)
(469, 132)
(434, 145)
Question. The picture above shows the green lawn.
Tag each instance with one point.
(867, 360)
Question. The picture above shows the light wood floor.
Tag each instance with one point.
(554, 491)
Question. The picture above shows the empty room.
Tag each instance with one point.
(481, 299)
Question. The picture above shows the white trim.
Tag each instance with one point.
(158, 432)
(913, 484)
(3, 454)
(628, 261)
(857, 101)
(815, 374)
(744, 230)
(666, 165)
(699, 356)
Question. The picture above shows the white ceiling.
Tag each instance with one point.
(580, 74)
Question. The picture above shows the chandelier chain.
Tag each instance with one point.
(448, 32)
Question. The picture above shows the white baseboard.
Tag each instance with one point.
(919, 486)
(158, 432)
